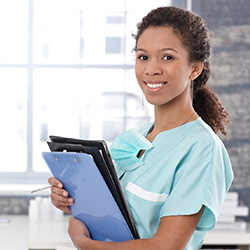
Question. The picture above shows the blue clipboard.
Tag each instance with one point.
(93, 201)
(98, 149)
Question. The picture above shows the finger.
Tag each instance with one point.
(62, 206)
(65, 209)
(60, 200)
(54, 182)
(58, 203)
(59, 191)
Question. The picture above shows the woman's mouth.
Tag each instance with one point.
(155, 85)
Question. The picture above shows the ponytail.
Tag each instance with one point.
(207, 104)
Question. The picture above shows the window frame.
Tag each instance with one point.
(30, 177)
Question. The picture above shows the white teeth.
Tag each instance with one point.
(155, 85)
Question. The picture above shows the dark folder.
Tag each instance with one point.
(95, 164)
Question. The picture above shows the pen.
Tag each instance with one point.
(41, 188)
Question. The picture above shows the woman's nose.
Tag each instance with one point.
(153, 68)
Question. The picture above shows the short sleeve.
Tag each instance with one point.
(203, 177)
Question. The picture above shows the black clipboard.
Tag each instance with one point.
(98, 149)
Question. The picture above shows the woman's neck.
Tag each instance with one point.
(167, 118)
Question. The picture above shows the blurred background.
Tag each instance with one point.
(67, 69)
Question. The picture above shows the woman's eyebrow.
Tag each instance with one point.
(169, 49)
(140, 49)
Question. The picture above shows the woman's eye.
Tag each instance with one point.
(167, 58)
(142, 58)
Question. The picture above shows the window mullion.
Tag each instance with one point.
(30, 91)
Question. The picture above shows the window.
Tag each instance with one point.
(66, 69)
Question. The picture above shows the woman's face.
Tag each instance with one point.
(162, 66)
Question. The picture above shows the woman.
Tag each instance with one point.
(175, 172)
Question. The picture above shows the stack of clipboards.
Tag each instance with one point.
(86, 170)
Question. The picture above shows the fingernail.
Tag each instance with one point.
(60, 185)
(70, 200)
(65, 193)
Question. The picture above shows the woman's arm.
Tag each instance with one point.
(173, 234)
(174, 231)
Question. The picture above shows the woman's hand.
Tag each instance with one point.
(77, 230)
(59, 197)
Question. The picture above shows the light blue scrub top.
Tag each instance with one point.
(181, 170)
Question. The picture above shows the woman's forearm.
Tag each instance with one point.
(141, 244)
(80, 236)
(173, 233)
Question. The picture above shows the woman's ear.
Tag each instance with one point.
(196, 70)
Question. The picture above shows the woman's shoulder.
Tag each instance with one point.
(204, 139)
(204, 133)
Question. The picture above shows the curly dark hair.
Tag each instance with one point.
(194, 34)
